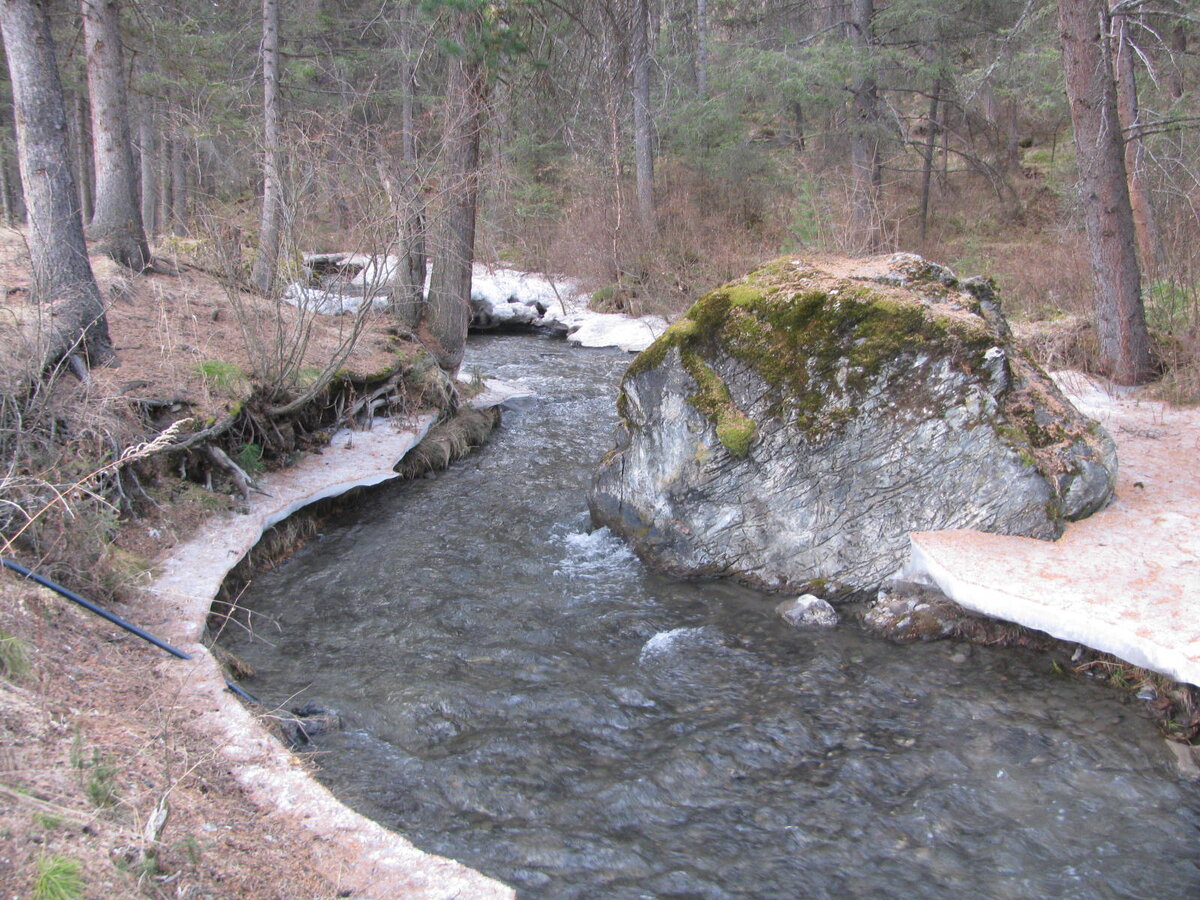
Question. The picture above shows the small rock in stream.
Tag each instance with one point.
(807, 610)
(307, 722)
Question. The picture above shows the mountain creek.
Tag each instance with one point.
(520, 693)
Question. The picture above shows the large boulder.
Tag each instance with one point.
(794, 426)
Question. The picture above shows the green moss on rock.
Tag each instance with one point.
(735, 430)
(815, 345)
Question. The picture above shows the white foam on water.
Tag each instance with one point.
(594, 554)
(666, 642)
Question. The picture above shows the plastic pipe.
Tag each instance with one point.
(92, 607)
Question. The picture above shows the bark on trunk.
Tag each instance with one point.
(404, 191)
(148, 167)
(1179, 45)
(1100, 152)
(165, 211)
(447, 313)
(866, 226)
(116, 225)
(643, 126)
(62, 274)
(927, 160)
(267, 261)
(6, 193)
(179, 187)
(702, 48)
(81, 147)
(1145, 227)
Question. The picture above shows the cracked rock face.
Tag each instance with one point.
(796, 425)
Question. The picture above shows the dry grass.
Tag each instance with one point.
(91, 742)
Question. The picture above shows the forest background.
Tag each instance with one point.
(656, 148)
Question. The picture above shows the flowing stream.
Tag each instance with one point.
(521, 694)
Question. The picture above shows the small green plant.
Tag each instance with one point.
(58, 878)
(47, 821)
(250, 458)
(191, 847)
(14, 656)
(223, 376)
(75, 754)
(101, 786)
(1171, 307)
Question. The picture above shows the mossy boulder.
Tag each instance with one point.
(794, 426)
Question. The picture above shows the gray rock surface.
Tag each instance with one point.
(795, 426)
(807, 611)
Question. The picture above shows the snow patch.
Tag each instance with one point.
(339, 283)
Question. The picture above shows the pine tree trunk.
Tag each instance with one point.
(266, 263)
(179, 187)
(81, 144)
(1179, 45)
(166, 152)
(62, 274)
(643, 126)
(148, 167)
(1144, 225)
(927, 158)
(116, 224)
(1100, 154)
(6, 194)
(867, 172)
(408, 292)
(447, 313)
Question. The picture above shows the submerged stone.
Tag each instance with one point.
(807, 610)
(794, 426)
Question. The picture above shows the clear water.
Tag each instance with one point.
(524, 696)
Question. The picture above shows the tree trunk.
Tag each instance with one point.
(643, 126)
(1144, 225)
(166, 153)
(179, 187)
(404, 192)
(116, 225)
(867, 172)
(447, 313)
(80, 135)
(1179, 45)
(148, 167)
(266, 263)
(6, 193)
(927, 160)
(62, 274)
(1100, 153)
(702, 48)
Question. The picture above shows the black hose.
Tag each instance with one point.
(92, 607)
(241, 692)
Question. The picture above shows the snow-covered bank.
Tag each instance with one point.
(1124, 581)
(340, 283)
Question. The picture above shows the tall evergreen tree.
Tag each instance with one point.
(62, 274)
(266, 263)
(1085, 26)
(117, 220)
